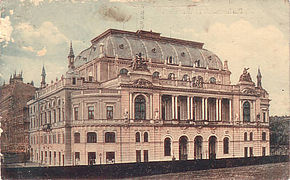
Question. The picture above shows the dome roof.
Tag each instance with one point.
(126, 45)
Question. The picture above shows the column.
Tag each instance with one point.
(130, 106)
(230, 110)
(217, 109)
(172, 105)
(191, 106)
(151, 106)
(188, 107)
(176, 110)
(254, 111)
(241, 114)
(220, 109)
(205, 109)
(202, 108)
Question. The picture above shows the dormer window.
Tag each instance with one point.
(155, 74)
(183, 54)
(121, 46)
(212, 80)
(154, 50)
(197, 63)
(170, 60)
(171, 76)
(124, 71)
(185, 77)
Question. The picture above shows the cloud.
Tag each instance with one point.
(245, 45)
(47, 32)
(5, 30)
(41, 52)
(114, 13)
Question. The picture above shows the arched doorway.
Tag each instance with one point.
(140, 108)
(212, 147)
(183, 148)
(198, 147)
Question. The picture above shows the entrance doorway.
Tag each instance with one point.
(198, 147)
(91, 158)
(212, 147)
(183, 148)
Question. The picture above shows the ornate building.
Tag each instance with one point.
(14, 112)
(138, 96)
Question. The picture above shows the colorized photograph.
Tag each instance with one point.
(144, 89)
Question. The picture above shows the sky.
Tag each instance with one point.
(246, 33)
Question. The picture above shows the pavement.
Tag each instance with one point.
(275, 171)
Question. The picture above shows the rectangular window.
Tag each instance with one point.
(54, 157)
(58, 138)
(76, 113)
(63, 114)
(73, 81)
(59, 114)
(263, 136)
(263, 151)
(54, 139)
(251, 152)
(45, 117)
(110, 137)
(59, 158)
(109, 112)
(264, 117)
(62, 138)
(91, 112)
(45, 139)
(49, 139)
(145, 155)
(110, 157)
(90, 78)
(50, 157)
(49, 115)
(138, 155)
(54, 116)
(245, 151)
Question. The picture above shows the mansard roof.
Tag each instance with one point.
(125, 45)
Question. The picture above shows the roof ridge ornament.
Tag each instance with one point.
(139, 63)
(246, 76)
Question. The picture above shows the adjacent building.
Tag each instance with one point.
(14, 112)
(138, 97)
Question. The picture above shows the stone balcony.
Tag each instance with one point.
(121, 122)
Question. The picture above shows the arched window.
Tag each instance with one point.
(185, 77)
(167, 147)
(155, 74)
(110, 137)
(171, 76)
(91, 137)
(124, 71)
(226, 145)
(212, 80)
(140, 108)
(77, 137)
(170, 60)
(246, 112)
(137, 137)
(145, 136)
(251, 136)
(245, 136)
(263, 136)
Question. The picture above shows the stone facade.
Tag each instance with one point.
(143, 97)
(14, 111)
